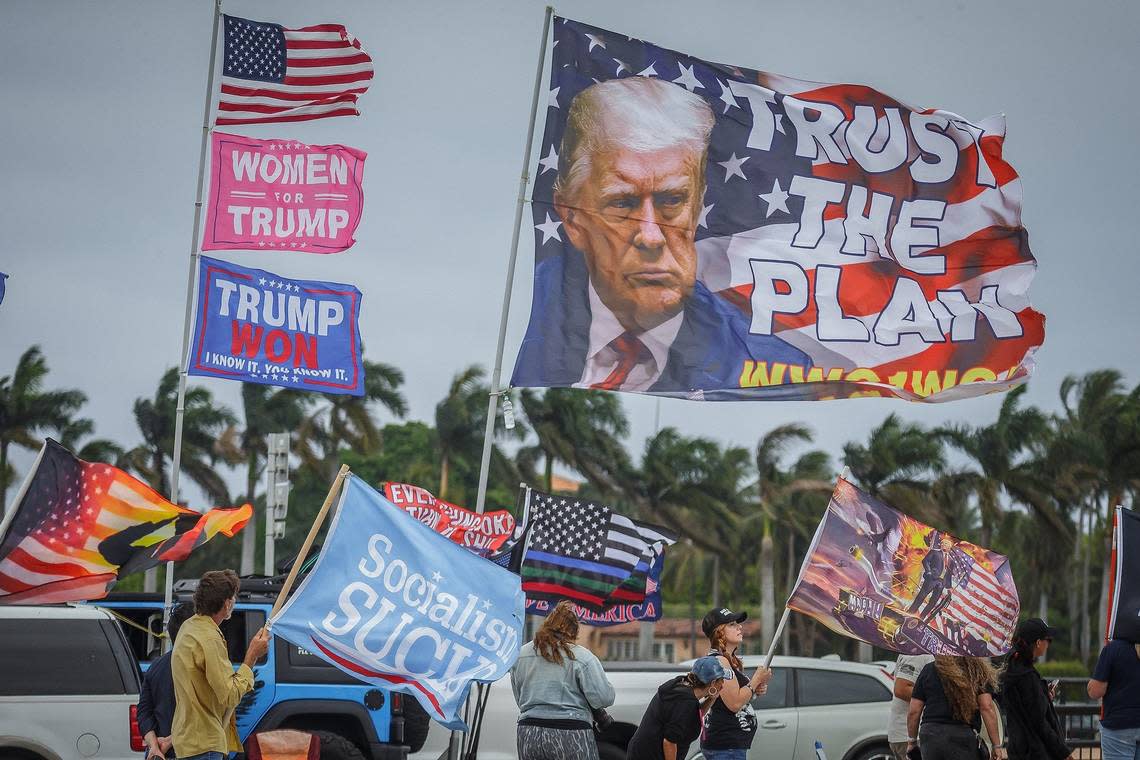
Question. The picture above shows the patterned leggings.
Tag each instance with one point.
(540, 743)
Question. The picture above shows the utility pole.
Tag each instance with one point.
(276, 495)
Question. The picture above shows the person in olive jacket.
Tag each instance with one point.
(1033, 731)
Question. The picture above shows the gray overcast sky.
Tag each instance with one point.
(99, 155)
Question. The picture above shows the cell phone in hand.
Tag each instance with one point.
(914, 753)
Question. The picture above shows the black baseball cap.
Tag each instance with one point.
(1035, 629)
(719, 617)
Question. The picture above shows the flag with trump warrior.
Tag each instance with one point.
(1124, 577)
(76, 527)
(880, 576)
(397, 605)
(582, 550)
(715, 232)
(274, 74)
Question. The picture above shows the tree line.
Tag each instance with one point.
(1034, 485)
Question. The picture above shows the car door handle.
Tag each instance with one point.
(773, 724)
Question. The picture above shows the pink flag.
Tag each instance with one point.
(283, 194)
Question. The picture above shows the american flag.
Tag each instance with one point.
(272, 74)
(930, 308)
(78, 526)
(583, 550)
(978, 603)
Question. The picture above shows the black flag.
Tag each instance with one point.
(1124, 577)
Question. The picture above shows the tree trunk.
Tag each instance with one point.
(1072, 586)
(1043, 610)
(716, 580)
(249, 534)
(767, 587)
(548, 474)
(789, 580)
(3, 478)
(1086, 550)
(444, 476)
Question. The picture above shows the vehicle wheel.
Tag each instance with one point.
(336, 747)
(875, 752)
(417, 723)
(607, 751)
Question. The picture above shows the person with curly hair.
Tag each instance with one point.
(730, 724)
(951, 699)
(1033, 729)
(558, 685)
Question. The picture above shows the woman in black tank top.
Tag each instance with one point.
(730, 724)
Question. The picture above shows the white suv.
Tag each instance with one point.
(842, 705)
(68, 685)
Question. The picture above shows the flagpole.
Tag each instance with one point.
(180, 409)
(524, 180)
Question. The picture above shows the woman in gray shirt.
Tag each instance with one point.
(557, 685)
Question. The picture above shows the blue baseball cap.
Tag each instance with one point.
(708, 669)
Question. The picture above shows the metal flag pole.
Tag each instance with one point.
(180, 409)
(524, 180)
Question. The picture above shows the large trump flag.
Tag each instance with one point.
(396, 604)
(877, 575)
(714, 232)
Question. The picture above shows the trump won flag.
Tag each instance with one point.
(714, 232)
(396, 604)
(877, 575)
(255, 326)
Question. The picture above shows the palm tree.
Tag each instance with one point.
(897, 466)
(460, 420)
(581, 429)
(26, 410)
(203, 423)
(997, 450)
(348, 421)
(94, 449)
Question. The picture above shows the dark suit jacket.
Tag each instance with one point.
(707, 354)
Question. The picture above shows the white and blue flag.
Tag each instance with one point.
(395, 604)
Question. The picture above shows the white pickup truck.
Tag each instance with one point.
(843, 705)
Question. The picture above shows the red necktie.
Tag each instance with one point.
(630, 351)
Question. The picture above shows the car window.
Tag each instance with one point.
(135, 622)
(831, 687)
(777, 695)
(239, 630)
(56, 657)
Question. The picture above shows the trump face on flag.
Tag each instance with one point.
(622, 308)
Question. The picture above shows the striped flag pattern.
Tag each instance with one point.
(978, 602)
(78, 526)
(274, 74)
(582, 550)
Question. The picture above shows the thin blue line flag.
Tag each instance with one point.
(397, 605)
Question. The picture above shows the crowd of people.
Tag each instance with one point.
(944, 708)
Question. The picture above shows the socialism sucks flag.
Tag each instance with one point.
(274, 74)
(877, 575)
(283, 195)
(482, 533)
(714, 232)
(1124, 577)
(259, 327)
(395, 604)
(78, 526)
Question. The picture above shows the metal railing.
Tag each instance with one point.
(1080, 718)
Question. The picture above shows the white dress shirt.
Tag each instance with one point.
(601, 358)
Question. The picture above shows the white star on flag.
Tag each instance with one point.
(550, 162)
(688, 79)
(648, 71)
(552, 98)
(595, 41)
(732, 167)
(777, 200)
(549, 229)
(621, 65)
(727, 97)
(703, 221)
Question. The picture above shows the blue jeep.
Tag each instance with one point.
(292, 687)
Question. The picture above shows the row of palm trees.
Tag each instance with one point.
(1033, 485)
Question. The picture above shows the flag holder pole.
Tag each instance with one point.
(180, 408)
(318, 521)
(524, 180)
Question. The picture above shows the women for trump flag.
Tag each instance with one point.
(76, 527)
(395, 604)
(715, 232)
(877, 575)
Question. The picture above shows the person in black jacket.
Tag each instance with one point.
(673, 719)
(156, 698)
(1033, 730)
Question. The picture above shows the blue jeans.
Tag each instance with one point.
(1119, 744)
(206, 756)
(725, 754)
